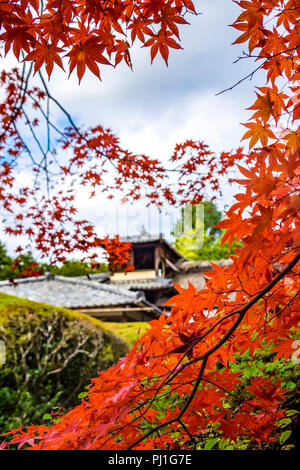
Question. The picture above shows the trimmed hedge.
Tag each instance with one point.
(51, 353)
(129, 332)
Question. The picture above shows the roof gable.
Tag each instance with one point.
(148, 240)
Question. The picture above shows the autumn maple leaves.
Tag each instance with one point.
(187, 357)
(89, 33)
(274, 37)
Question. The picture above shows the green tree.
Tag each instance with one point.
(22, 266)
(211, 246)
(211, 218)
(25, 265)
(73, 268)
(5, 263)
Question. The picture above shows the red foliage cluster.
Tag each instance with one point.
(89, 32)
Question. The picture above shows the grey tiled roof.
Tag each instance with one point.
(99, 277)
(144, 284)
(142, 238)
(201, 266)
(71, 292)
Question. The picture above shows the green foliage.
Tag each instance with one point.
(211, 218)
(25, 264)
(211, 249)
(5, 263)
(75, 268)
(261, 364)
(129, 332)
(51, 352)
(10, 269)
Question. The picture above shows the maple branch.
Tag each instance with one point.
(251, 74)
(136, 162)
(229, 393)
(70, 119)
(286, 306)
(256, 298)
(180, 414)
(51, 97)
(24, 144)
(62, 134)
(271, 56)
(188, 432)
(18, 107)
(204, 357)
(241, 312)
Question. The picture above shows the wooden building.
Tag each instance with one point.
(155, 262)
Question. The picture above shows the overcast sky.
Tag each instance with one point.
(154, 107)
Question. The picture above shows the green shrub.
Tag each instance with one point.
(261, 364)
(74, 268)
(129, 332)
(51, 353)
